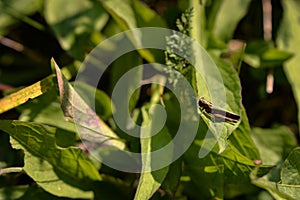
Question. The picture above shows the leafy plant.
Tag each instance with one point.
(44, 156)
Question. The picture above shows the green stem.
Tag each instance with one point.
(11, 170)
(198, 22)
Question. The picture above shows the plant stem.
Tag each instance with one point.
(198, 22)
(11, 170)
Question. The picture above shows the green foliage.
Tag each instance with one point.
(87, 18)
(42, 153)
(288, 41)
(54, 169)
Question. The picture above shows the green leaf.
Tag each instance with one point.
(215, 43)
(274, 57)
(237, 166)
(87, 122)
(241, 139)
(101, 101)
(60, 171)
(252, 60)
(291, 169)
(125, 16)
(151, 179)
(288, 187)
(119, 67)
(20, 97)
(46, 109)
(17, 11)
(39, 193)
(273, 144)
(262, 54)
(227, 17)
(76, 24)
(253, 52)
(172, 180)
(122, 12)
(145, 16)
(211, 189)
(288, 40)
(258, 47)
(228, 80)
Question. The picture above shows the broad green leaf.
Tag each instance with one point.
(288, 40)
(245, 189)
(227, 17)
(262, 54)
(274, 57)
(278, 191)
(172, 180)
(118, 69)
(17, 11)
(70, 70)
(201, 181)
(172, 107)
(46, 110)
(87, 122)
(217, 77)
(75, 25)
(229, 81)
(145, 16)
(237, 166)
(101, 101)
(39, 193)
(241, 139)
(211, 9)
(52, 181)
(288, 187)
(60, 171)
(124, 14)
(290, 172)
(273, 144)
(15, 99)
(252, 60)
(215, 43)
(150, 181)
